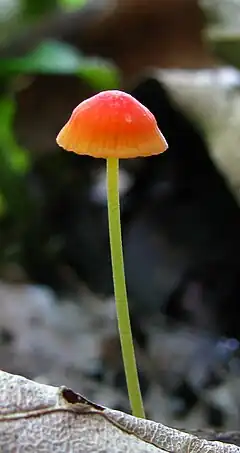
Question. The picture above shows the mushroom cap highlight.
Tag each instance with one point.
(112, 124)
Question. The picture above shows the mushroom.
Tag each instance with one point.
(113, 125)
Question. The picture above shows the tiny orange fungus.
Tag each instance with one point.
(112, 124)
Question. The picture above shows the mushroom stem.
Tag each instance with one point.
(120, 291)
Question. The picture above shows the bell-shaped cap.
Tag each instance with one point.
(112, 124)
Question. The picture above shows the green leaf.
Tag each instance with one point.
(50, 57)
(14, 162)
(100, 75)
(72, 4)
(15, 156)
(55, 57)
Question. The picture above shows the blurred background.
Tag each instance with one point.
(180, 210)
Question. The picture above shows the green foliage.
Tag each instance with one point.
(14, 163)
(50, 57)
(14, 198)
(100, 74)
(54, 57)
(17, 159)
(72, 4)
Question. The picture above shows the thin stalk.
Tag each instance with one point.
(120, 291)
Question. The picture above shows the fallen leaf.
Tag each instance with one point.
(41, 418)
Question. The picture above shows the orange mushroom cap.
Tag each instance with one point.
(112, 124)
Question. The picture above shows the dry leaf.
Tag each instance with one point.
(40, 418)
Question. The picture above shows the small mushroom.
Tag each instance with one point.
(113, 125)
